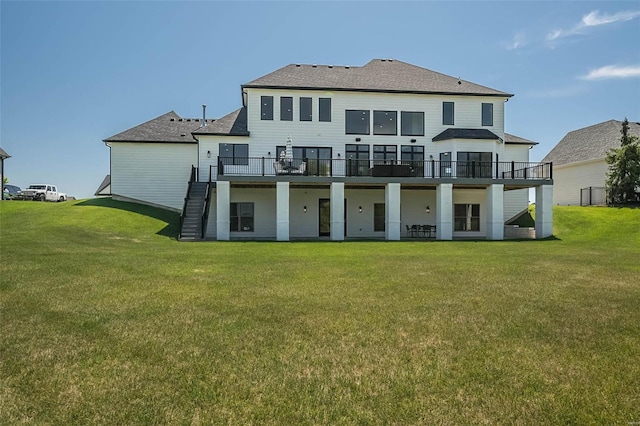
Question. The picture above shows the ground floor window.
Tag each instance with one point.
(378, 217)
(466, 217)
(241, 217)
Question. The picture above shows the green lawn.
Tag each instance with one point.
(106, 319)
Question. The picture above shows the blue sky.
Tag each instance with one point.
(74, 73)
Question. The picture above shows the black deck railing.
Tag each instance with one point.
(262, 166)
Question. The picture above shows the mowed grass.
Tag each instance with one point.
(106, 319)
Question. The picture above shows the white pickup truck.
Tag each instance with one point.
(43, 192)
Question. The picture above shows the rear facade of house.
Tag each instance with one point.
(388, 150)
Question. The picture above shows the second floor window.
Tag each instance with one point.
(266, 107)
(487, 114)
(447, 113)
(324, 113)
(234, 153)
(412, 123)
(286, 108)
(385, 122)
(356, 122)
(305, 109)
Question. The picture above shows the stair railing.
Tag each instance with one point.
(192, 178)
(205, 213)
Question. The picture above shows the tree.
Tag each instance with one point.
(5, 180)
(623, 178)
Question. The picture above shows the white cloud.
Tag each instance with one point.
(593, 19)
(612, 71)
(517, 42)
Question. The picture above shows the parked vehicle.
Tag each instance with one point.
(10, 192)
(43, 192)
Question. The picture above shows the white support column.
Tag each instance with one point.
(544, 211)
(392, 211)
(337, 211)
(495, 212)
(223, 197)
(444, 211)
(282, 211)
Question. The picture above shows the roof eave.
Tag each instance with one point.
(342, 89)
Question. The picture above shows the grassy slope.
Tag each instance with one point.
(106, 319)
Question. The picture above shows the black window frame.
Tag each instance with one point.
(448, 114)
(360, 116)
(413, 155)
(239, 222)
(381, 120)
(235, 158)
(379, 218)
(467, 220)
(266, 108)
(306, 108)
(487, 114)
(286, 108)
(357, 157)
(389, 154)
(404, 118)
(324, 110)
(474, 164)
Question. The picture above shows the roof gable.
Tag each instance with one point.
(232, 124)
(589, 143)
(169, 127)
(379, 75)
(3, 154)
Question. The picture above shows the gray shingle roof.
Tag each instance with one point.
(233, 124)
(589, 143)
(466, 134)
(169, 127)
(379, 75)
(517, 140)
(3, 154)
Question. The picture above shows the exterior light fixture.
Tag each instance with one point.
(360, 209)
(413, 140)
(304, 209)
(208, 154)
(269, 154)
(428, 209)
(338, 155)
(358, 139)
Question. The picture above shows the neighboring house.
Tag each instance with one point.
(339, 152)
(3, 156)
(579, 162)
(104, 190)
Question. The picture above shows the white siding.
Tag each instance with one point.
(155, 173)
(266, 134)
(569, 179)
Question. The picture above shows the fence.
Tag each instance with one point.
(593, 196)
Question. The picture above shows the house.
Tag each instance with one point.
(3, 156)
(579, 162)
(385, 150)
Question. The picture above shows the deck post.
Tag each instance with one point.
(282, 211)
(495, 212)
(337, 211)
(392, 211)
(223, 210)
(444, 211)
(544, 211)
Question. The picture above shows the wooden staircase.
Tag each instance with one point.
(195, 211)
